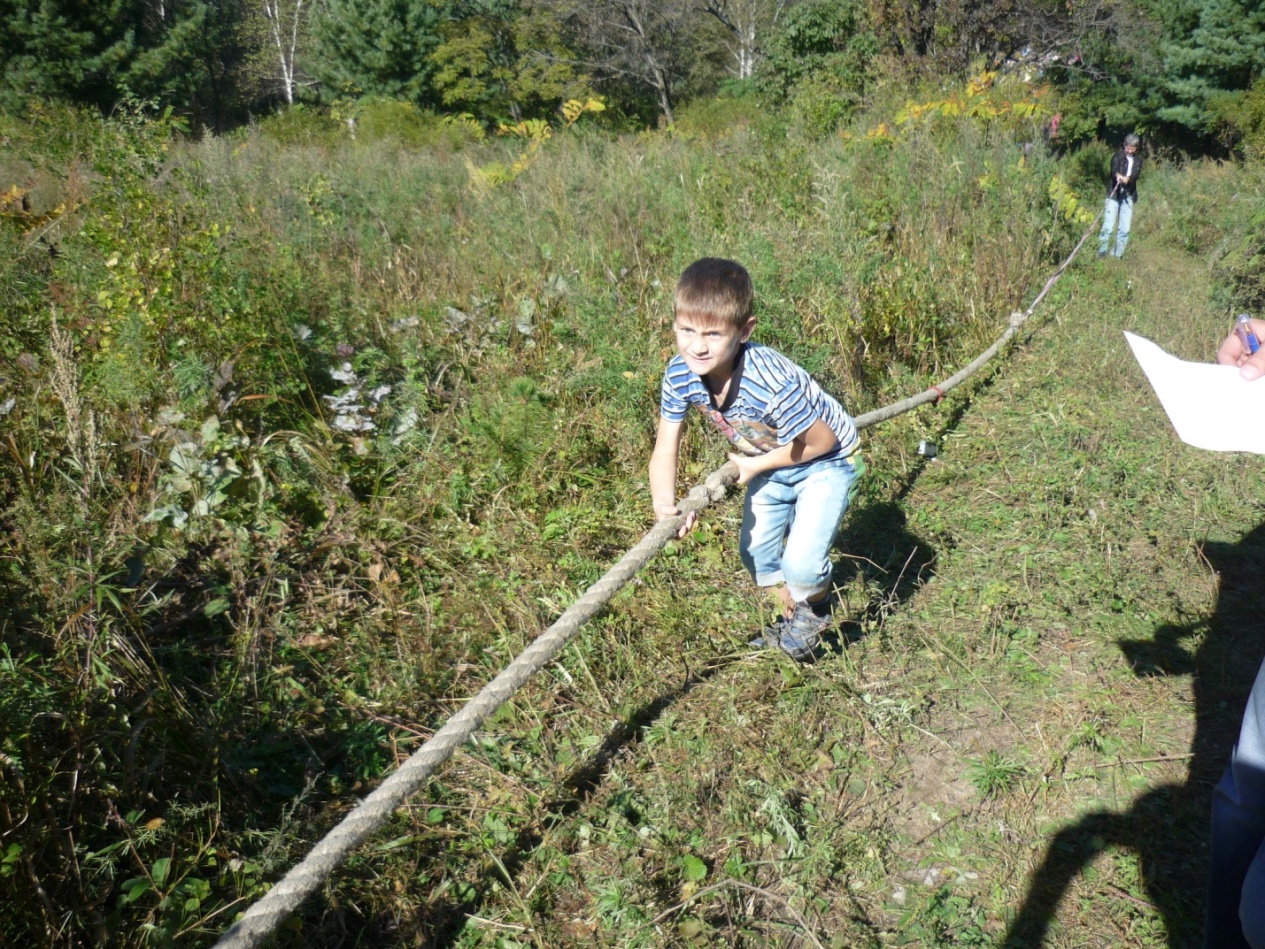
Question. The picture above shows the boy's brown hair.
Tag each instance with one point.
(713, 288)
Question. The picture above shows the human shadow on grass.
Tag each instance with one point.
(878, 546)
(1168, 827)
(893, 561)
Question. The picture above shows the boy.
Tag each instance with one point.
(797, 449)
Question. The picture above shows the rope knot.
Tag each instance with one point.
(1017, 318)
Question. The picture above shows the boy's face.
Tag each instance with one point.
(709, 347)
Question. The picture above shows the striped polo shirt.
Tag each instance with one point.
(770, 403)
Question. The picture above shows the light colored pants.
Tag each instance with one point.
(1236, 877)
(1116, 216)
(801, 506)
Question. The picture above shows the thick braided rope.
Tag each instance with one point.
(261, 919)
(286, 896)
(1017, 319)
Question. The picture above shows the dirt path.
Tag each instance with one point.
(1071, 636)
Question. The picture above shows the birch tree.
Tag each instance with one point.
(746, 23)
(281, 30)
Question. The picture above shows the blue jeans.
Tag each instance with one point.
(789, 521)
(1236, 877)
(1116, 216)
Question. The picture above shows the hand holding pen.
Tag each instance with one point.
(1242, 347)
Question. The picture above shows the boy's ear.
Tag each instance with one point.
(745, 333)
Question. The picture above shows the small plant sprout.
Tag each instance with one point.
(781, 819)
(202, 471)
(994, 774)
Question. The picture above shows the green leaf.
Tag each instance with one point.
(210, 428)
(11, 856)
(216, 606)
(160, 869)
(693, 869)
(134, 889)
(196, 888)
(690, 928)
(398, 842)
(184, 459)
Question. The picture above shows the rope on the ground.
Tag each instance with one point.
(1017, 319)
(261, 919)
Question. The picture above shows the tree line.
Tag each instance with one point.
(1187, 71)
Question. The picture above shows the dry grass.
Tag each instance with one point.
(1076, 569)
(1024, 615)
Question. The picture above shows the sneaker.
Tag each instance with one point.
(770, 636)
(798, 636)
(802, 634)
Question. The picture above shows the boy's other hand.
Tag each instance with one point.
(1232, 352)
(747, 466)
(664, 511)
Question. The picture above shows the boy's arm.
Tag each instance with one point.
(663, 474)
(814, 443)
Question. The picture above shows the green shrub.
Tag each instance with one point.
(1240, 119)
(709, 118)
(302, 124)
(824, 101)
(1087, 167)
(391, 120)
(1243, 266)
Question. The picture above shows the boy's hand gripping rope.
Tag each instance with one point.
(261, 919)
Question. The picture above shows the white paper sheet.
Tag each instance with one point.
(1211, 406)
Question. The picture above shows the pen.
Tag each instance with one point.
(1243, 326)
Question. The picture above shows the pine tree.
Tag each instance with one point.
(66, 50)
(182, 52)
(1218, 46)
(189, 56)
(376, 47)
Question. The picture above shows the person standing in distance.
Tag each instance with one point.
(1122, 194)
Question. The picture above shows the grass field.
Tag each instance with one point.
(1051, 634)
(233, 605)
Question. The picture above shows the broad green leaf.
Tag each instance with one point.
(693, 869)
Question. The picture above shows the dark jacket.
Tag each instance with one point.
(1119, 164)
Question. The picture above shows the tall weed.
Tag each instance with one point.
(308, 436)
